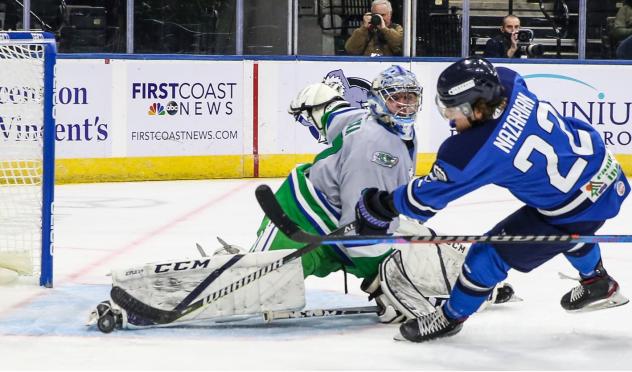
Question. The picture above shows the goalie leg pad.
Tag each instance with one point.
(432, 267)
(402, 293)
(175, 284)
(417, 278)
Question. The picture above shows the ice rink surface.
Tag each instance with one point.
(115, 225)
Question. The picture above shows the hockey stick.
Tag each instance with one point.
(145, 312)
(269, 316)
(275, 213)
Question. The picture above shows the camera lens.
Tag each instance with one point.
(376, 20)
(534, 50)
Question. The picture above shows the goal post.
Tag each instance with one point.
(27, 153)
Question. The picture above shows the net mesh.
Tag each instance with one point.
(21, 149)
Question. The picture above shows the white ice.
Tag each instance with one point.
(102, 226)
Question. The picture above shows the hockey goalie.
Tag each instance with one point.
(368, 147)
(411, 281)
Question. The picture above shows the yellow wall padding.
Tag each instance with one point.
(205, 167)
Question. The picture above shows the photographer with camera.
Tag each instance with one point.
(505, 44)
(377, 36)
(512, 42)
(622, 31)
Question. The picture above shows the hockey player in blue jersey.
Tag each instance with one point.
(558, 166)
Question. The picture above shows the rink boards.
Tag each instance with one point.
(123, 118)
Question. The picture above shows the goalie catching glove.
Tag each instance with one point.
(312, 103)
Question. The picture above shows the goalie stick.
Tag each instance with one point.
(269, 316)
(148, 315)
(275, 213)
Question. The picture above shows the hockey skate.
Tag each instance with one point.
(598, 292)
(429, 327)
(503, 293)
(107, 317)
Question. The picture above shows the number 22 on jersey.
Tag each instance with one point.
(548, 119)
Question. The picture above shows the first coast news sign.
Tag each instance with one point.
(171, 109)
(131, 108)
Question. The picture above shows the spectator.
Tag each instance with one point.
(623, 30)
(382, 38)
(505, 44)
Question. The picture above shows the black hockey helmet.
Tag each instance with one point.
(466, 81)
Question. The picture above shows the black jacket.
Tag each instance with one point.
(498, 46)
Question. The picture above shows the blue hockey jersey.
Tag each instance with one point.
(556, 164)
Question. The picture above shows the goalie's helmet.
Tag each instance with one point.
(466, 81)
(395, 99)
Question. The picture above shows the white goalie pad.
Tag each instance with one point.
(418, 277)
(166, 285)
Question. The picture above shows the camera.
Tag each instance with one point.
(525, 36)
(376, 20)
(525, 45)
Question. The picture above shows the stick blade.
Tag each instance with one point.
(273, 210)
(139, 308)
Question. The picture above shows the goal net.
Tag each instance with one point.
(27, 61)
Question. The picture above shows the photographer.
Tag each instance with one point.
(505, 44)
(513, 42)
(377, 36)
(622, 31)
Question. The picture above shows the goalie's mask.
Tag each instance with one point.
(464, 83)
(310, 105)
(395, 99)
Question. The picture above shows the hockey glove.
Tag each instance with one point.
(374, 212)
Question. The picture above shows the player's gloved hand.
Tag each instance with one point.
(374, 212)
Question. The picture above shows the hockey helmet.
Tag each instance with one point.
(463, 83)
(398, 88)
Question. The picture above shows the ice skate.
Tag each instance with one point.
(503, 293)
(595, 293)
(429, 327)
(107, 317)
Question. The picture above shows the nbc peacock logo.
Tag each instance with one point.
(156, 109)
